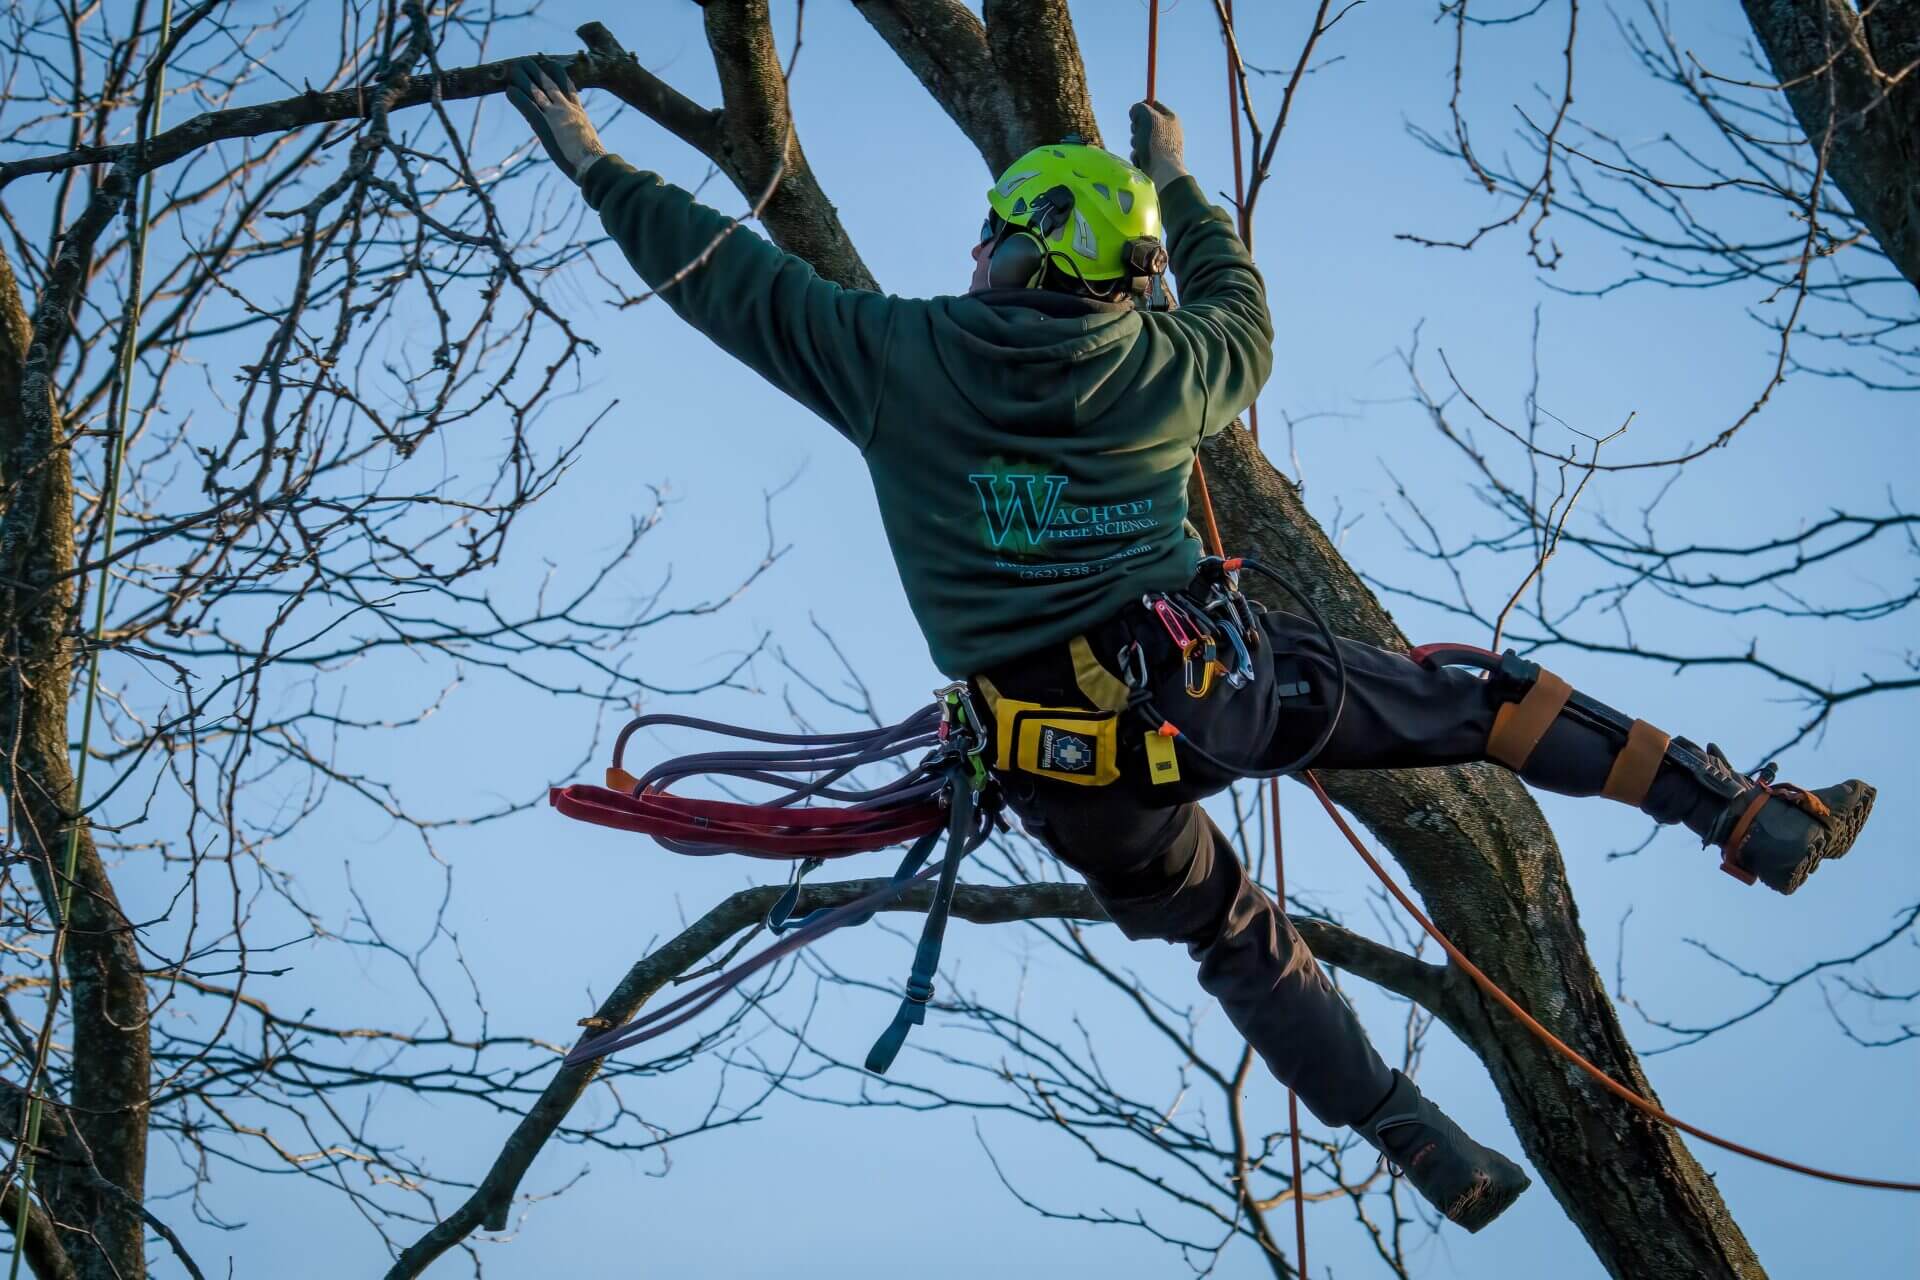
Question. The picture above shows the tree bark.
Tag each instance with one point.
(1858, 76)
(103, 1233)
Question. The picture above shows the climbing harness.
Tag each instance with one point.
(1197, 629)
(946, 791)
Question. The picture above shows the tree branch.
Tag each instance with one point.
(1037, 56)
(42, 1248)
(757, 137)
(979, 904)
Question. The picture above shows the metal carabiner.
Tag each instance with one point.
(1200, 666)
(1243, 660)
(1132, 660)
(1170, 619)
(970, 743)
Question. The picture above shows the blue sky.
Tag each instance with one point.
(548, 913)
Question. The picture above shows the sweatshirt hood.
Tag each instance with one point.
(1037, 359)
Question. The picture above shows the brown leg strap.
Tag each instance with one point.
(1519, 726)
(1730, 852)
(1637, 764)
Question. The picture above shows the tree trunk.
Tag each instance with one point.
(1856, 76)
(106, 1104)
(1472, 840)
(1481, 856)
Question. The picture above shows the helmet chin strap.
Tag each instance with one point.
(1018, 258)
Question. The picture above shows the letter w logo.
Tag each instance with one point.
(1020, 500)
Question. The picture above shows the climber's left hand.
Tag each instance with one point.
(542, 92)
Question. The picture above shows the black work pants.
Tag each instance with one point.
(1162, 869)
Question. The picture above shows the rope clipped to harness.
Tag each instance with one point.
(1140, 697)
(804, 767)
(946, 792)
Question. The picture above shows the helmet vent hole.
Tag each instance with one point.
(1126, 201)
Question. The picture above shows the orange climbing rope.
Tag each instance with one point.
(1631, 1097)
(1153, 43)
(1213, 531)
(1245, 227)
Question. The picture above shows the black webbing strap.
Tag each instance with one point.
(961, 838)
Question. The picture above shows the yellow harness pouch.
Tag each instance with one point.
(1067, 744)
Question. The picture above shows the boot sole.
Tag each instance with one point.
(1488, 1198)
(1838, 839)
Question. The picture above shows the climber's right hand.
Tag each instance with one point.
(1158, 144)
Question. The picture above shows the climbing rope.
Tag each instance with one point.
(1218, 549)
(946, 791)
(1631, 1097)
(148, 125)
(1245, 226)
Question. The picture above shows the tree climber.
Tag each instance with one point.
(1030, 443)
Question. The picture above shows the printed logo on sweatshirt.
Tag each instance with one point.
(1034, 509)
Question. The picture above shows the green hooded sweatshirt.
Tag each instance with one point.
(1029, 449)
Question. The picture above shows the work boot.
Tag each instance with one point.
(1781, 834)
(1462, 1179)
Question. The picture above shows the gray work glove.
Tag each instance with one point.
(1158, 144)
(542, 92)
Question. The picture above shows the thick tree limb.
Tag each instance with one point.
(1037, 56)
(757, 130)
(102, 967)
(41, 1249)
(1860, 77)
(1010, 84)
(945, 46)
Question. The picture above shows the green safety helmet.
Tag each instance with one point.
(1080, 210)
